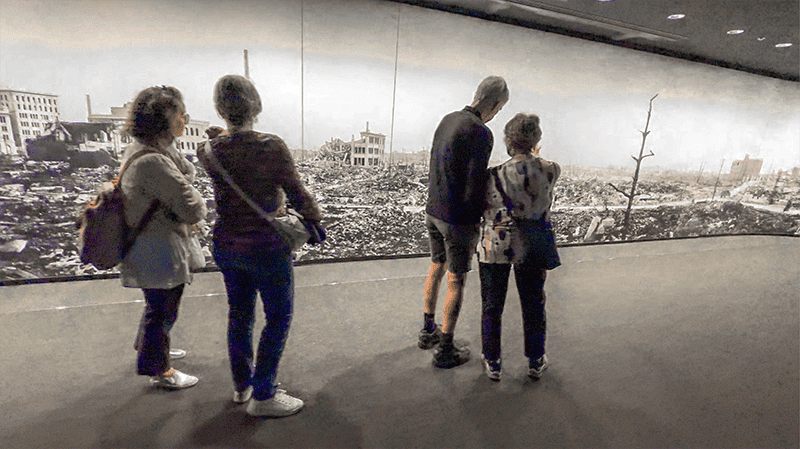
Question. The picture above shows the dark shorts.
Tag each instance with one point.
(452, 242)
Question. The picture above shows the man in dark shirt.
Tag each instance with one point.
(462, 145)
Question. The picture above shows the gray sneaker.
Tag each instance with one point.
(277, 406)
(175, 381)
(536, 367)
(240, 397)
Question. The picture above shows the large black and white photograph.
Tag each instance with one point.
(653, 145)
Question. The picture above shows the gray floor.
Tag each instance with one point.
(689, 343)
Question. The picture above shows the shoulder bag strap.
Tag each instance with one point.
(506, 199)
(227, 177)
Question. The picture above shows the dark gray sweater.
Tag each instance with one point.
(460, 153)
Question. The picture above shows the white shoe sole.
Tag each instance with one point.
(279, 406)
(177, 381)
(240, 397)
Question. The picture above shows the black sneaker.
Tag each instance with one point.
(427, 340)
(450, 356)
(536, 367)
(493, 368)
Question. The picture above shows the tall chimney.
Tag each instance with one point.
(88, 107)
(246, 66)
(367, 126)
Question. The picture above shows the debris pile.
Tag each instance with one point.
(583, 192)
(336, 150)
(670, 221)
(369, 211)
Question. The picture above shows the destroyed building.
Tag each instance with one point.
(335, 150)
(746, 169)
(368, 151)
(7, 144)
(81, 144)
(27, 114)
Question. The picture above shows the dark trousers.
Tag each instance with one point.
(269, 274)
(530, 286)
(152, 341)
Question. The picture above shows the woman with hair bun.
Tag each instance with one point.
(252, 255)
(516, 231)
(158, 183)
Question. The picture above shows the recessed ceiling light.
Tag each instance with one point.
(605, 1)
(735, 31)
(676, 16)
(760, 39)
(784, 45)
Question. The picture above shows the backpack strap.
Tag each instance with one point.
(133, 157)
(151, 210)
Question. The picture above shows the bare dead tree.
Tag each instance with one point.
(716, 183)
(700, 173)
(632, 194)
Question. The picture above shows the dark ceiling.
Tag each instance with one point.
(701, 36)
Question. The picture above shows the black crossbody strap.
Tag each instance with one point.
(506, 199)
(227, 177)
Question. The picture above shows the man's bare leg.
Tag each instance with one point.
(452, 301)
(430, 335)
(447, 355)
(435, 275)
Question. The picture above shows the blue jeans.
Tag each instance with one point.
(268, 272)
(530, 286)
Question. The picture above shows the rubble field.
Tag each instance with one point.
(380, 212)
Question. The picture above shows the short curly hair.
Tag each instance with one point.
(522, 133)
(153, 112)
(236, 99)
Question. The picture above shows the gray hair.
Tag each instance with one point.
(236, 100)
(492, 90)
(522, 133)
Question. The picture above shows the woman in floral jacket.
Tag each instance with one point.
(523, 184)
(158, 261)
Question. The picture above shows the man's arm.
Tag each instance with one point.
(477, 174)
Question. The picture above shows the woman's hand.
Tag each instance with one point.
(214, 131)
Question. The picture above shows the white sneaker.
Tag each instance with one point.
(176, 381)
(175, 354)
(240, 397)
(277, 406)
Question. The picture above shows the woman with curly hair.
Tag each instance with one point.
(157, 184)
